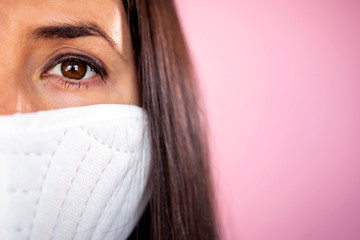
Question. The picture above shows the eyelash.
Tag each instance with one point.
(93, 64)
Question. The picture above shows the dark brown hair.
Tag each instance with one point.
(181, 205)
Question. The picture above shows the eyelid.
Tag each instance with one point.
(95, 64)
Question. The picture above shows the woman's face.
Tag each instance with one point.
(57, 54)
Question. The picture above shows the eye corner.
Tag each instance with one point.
(45, 73)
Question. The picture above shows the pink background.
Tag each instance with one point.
(281, 83)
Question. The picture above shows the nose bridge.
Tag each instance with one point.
(14, 96)
(11, 96)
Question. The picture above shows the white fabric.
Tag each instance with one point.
(75, 173)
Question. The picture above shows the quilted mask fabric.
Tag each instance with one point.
(76, 173)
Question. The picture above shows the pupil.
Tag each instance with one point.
(73, 69)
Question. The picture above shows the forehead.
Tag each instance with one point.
(23, 15)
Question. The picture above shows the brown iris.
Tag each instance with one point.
(73, 69)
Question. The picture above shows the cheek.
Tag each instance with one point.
(58, 94)
(51, 97)
(126, 89)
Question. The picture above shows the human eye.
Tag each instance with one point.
(74, 70)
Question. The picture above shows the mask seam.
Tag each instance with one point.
(110, 201)
(67, 191)
(42, 185)
(25, 153)
(104, 144)
(92, 190)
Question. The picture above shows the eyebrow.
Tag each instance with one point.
(71, 31)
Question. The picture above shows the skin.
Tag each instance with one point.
(25, 87)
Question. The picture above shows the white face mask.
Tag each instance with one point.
(76, 173)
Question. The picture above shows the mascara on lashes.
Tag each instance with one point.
(96, 65)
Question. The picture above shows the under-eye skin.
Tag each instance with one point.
(74, 70)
